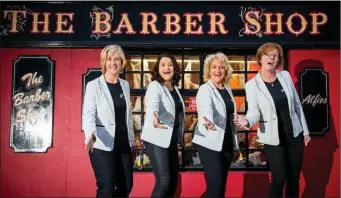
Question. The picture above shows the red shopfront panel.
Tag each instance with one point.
(36, 174)
(321, 163)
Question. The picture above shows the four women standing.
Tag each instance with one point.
(272, 100)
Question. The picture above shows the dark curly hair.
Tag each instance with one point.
(177, 70)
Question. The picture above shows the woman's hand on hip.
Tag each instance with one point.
(157, 123)
(208, 124)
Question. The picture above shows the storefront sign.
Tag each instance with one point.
(314, 89)
(146, 23)
(32, 104)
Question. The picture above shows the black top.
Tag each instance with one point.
(178, 111)
(280, 99)
(228, 137)
(121, 134)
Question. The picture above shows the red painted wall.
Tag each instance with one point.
(65, 170)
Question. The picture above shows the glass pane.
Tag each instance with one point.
(136, 154)
(188, 139)
(146, 160)
(133, 63)
(179, 61)
(137, 122)
(241, 140)
(237, 81)
(238, 159)
(253, 141)
(138, 140)
(240, 103)
(192, 80)
(252, 64)
(191, 159)
(134, 80)
(136, 103)
(257, 159)
(191, 122)
(192, 63)
(147, 78)
(237, 63)
(148, 62)
(190, 104)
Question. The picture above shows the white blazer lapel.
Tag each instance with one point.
(262, 87)
(182, 101)
(217, 94)
(284, 84)
(105, 89)
(169, 95)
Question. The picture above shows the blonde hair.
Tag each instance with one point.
(269, 47)
(224, 60)
(104, 56)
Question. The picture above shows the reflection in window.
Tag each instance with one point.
(237, 63)
(191, 122)
(237, 81)
(257, 159)
(138, 140)
(238, 159)
(192, 80)
(191, 159)
(188, 137)
(192, 63)
(134, 80)
(142, 158)
(147, 78)
(240, 103)
(253, 141)
(137, 122)
(133, 63)
(136, 103)
(241, 140)
(252, 64)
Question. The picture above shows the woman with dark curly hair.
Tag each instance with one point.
(164, 124)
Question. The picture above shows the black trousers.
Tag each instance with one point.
(216, 166)
(285, 162)
(164, 163)
(113, 171)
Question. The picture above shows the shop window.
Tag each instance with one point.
(250, 155)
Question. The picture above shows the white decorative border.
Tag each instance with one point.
(95, 8)
(242, 13)
(21, 20)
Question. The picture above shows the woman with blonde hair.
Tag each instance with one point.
(108, 127)
(215, 134)
(274, 103)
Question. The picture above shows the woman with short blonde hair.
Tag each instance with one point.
(215, 135)
(113, 49)
(108, 126)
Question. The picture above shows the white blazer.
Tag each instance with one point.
(158, 99)
(261, 107)
(99, 113)
(211, 104)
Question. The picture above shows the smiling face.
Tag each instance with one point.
(269, 60)
(166, 69)
(217, 71)
(113, 63)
